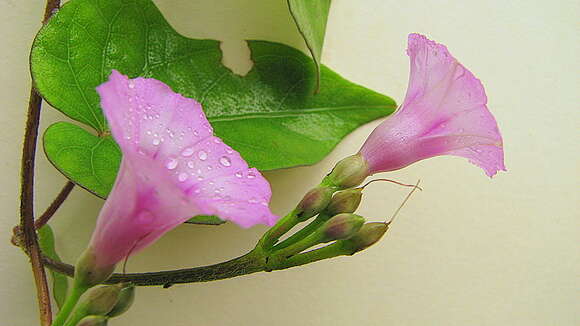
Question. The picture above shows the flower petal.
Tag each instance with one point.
(453, 100)
(444, 112)
(149, 120)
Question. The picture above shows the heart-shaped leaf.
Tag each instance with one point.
(269, 115)
(310, 17)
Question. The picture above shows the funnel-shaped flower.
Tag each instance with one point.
(444, 112)
(173, 168)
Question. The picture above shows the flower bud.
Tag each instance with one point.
(88, 272)
(126, 298)
(368, 235)
(346, 201)
(341, 226)
(99, 300)
(349, 172)
(313, 202)
(93, 321)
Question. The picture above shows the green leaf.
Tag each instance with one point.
(310, 17)
(269, 115)
(90, 161)
(59, 281)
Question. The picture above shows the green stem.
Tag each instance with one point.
(303, 233)
(338, 248)
(284, 225)
(69, 305)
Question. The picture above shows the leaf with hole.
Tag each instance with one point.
(268, 115)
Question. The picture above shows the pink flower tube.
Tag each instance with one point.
(173, 168)
(444, 112)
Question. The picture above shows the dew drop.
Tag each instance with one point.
(187, 152)
(209, 167)
(225, 161)
(200, 178)
(202, 155)
(131, 84)
(239, 174)
(172, 163)
(217, 141)
(156, 141)
(251, 175)
(190, 164)
(253, 200)
(182, 176)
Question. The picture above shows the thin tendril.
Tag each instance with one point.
(415, 187)
(392, 181)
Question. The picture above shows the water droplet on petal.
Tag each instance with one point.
(172, 163)
(251, 175)
(182, 176)
(202, 155)
(252, 200)
(190, 164)
(131, 84)
(200, 178)
(239, 174)
(187, 152)
(156, 141)
(225, 161)
(217, 140)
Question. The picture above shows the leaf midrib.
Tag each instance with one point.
(295, 113)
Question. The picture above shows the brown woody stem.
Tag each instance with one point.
(28, 231)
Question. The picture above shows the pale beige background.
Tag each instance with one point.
(466, 251)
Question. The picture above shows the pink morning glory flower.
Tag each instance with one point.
(173, 168)
(444, 113)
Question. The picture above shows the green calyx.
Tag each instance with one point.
(349, 172)
(345, 201)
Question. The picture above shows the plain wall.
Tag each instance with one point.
(466, 251)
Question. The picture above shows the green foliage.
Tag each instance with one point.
(270, 115)
(59, 281)
(311, 17)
